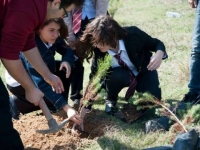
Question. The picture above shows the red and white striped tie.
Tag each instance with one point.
(76, 25)
(133, 81)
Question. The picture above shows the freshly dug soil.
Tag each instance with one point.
(63, 139)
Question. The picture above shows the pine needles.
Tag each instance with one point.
(95, 85)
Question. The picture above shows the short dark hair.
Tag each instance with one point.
(67, 3)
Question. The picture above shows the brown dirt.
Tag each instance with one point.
(63, 139)
(129, 113)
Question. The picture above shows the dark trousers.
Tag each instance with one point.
(24, 106)
(9, 137)
(76, 77)
(77, 71)
(119, 78)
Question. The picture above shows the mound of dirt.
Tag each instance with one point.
(63, 139)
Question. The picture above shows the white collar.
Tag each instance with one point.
(121, 48)
(48, 45)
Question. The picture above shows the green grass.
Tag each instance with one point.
(149, 15)
(174, 32)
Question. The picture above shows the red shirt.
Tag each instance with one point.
(19, 19)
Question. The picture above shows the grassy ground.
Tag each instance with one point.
(176, 33)
(150, 16)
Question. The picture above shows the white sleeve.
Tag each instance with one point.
(10, 80)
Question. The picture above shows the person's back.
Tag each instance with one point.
(31, 16)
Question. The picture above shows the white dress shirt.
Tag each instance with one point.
(88, 10)
(124, 57)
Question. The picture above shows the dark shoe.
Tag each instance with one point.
(110, 108)
(76, 104)
(13, 108)
(190, 97)
(129, 113)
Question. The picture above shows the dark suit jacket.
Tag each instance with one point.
(139, 46)
(48, 56)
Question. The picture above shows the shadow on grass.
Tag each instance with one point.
(97, 123)
(113, 144)
(103, 127)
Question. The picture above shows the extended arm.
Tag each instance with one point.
(57, 99)
(35, 59)
(16, 70)
(151, 44)
(17, 34)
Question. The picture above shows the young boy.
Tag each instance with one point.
(133, 63)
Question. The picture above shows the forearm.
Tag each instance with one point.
(35, 59)
(160, 53)
(56, 99)
(17, 71)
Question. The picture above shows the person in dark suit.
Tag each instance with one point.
(89, 10)
(136, 50)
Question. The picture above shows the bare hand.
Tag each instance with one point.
(155, 60)
(73, 115)
(55, 82)
(34, 95)
(67, 67)
(193, 3)
(82, 114)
